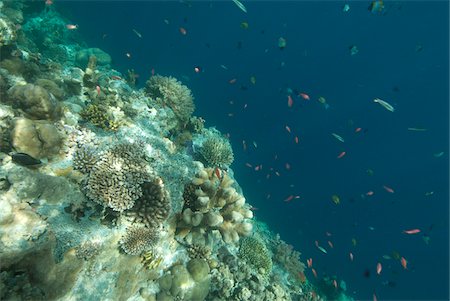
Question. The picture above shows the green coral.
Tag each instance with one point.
(168, 91)
(255, 252)
(96, 115)
(216, 150)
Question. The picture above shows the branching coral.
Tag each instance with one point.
(97, 115)
(115, 179)
(138, 239)
(254, 251)
(172, 93)
(84, 158)
(216, 150)
(153, 207)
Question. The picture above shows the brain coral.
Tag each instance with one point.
(115, 179)
(172, 93)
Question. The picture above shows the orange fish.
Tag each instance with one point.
(289, 198)
(314, 272)
(388, 189)
(218, 173)
(290, 101)
(379, 268)
(335, 283)
(309, 262)
(341, 155)
(404, 263)
(288, 129)
(412, 231)
(304, 96)
(183, 31)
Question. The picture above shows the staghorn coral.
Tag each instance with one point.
(168, 91)
(84, 158)
(138, 239)
(216, 150)
(153, 207)
(254, 251)
(115, 179)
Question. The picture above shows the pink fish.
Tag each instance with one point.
(379, 268)
(412, 231)
(304, 96)
(342, 154)
(388, 189)
(404, 263)
(290, 101)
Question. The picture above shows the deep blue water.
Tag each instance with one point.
(402, 58)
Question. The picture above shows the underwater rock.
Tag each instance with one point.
(82, 57)
(35, 101)
(39, 139)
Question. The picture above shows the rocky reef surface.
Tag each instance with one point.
(108, 192)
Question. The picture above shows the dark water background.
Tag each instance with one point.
(403, 59)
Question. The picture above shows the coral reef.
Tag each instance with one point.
(168, 91)
(253, 251)
(37, 138)
(138, 239)
(214, 205)
(115, 179)
(35, 101)
(83, 55)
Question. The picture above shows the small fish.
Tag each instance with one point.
(290, 101)
(289, 198)
(379, 268)
(376, 6)
(322, 249)
(305, 96)
(314, 272)
(198, 69)
(338, 137)
(354, 242)
(240, 5)
(357, 130)
(335, 283)
(404, 263)
(438, 155)
(335, 198)
(342, 154)
(115, 77)
(288, 129)
(137, 33)
(412, 231)
(281, 43)
(254, 144)
(375, 297)
(351, 256)
(296, 139)
(72, 26)
(386, 105)
(224, 67)
(388, 189)
(128, 55)
(183, 31)
(331, 244)
(25, 159)
(309, 262)
(253, 79)
(387, 257)
(244, 25)
(97, 88)
(417, 129)
(232, 81)
(48, 2)
(369, 193)
(218, 173)
(353, 49)
(346, 8)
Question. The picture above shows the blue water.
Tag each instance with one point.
(402, 58)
